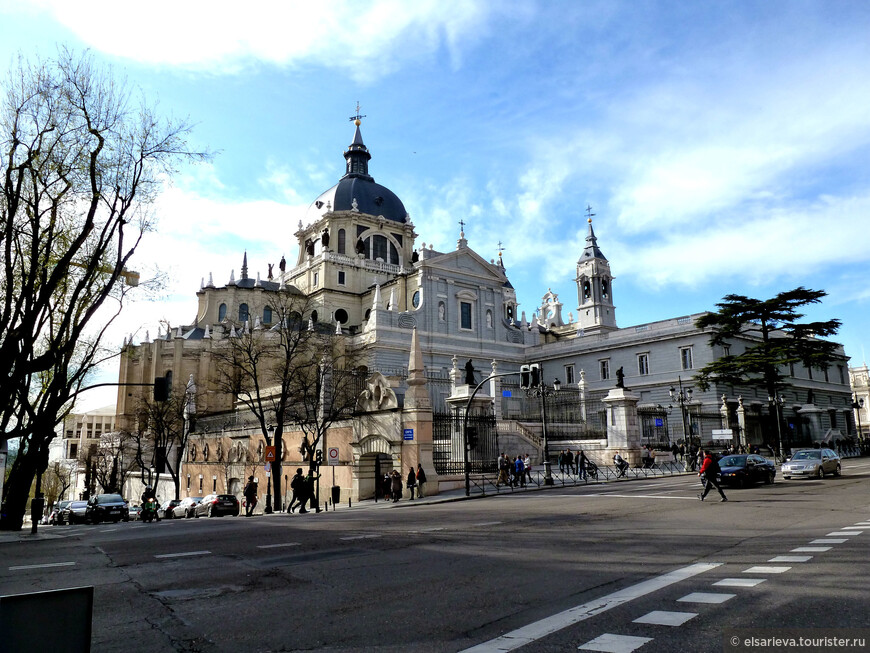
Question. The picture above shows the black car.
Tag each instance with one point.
(55, 516)
(746, 469)
(217, 505)
(107, 507)
(74, 513)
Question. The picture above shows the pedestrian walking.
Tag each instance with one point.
(297, 484)
(520, 471)
(503, 473)
(421, 478)
(621, 465)
(569, 461)
(709, 470)
(412, 481)
(396, 485)
(581, 463)
(250, 493)
(562, 461)
(308, 495)
(527, 465)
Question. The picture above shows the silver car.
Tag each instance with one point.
(812, 463)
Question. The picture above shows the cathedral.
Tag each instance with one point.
(435, 324)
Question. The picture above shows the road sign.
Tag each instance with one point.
(270, 454)
(267, 467)
(332, 455)
(506, 393)
(409, 434)
(723, 434)
(660, 421)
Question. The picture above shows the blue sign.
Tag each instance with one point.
(409, 434)
(660, 421)
(506, 393)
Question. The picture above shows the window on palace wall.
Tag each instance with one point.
(604, 369)
(643, 364)
(341, 241)
(569, 374)
(243, 313)
(267, 315)
(341, 277)
(465, 315)
(222, 312)
(686, 358)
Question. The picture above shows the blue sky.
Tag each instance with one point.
(724, 147)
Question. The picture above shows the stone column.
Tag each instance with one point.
(623, 427)
(741, 421)
(495, 391)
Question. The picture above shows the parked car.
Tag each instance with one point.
(107, 507)
(185, 508)
(165, 510)
(135, 512)
(812, 463)
(74, 513)
(746, 469)
(217, 505)
(55, 516)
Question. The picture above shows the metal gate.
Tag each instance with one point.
(448, 440)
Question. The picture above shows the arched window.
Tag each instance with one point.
(314, 316)
(341, 241)
(379, 248)
(267, 315)
(222, 312)
(394, 255)
(243, 313)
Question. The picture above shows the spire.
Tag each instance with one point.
(245, 266)
(232, 281)
(417, 395)
(357, 155)
(591, 250)
(207, 334)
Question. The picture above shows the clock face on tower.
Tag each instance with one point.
(415, 300)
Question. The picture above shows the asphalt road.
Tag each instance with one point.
(548, 570)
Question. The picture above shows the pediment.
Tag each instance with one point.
(466, 262)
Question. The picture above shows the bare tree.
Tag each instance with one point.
(81, 163)
(268, 371)
(57, 480)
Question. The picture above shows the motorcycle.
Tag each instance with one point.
(149, 510)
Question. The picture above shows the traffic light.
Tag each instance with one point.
(471, 433)
(318, 457)
(530, 376)
(161, 388)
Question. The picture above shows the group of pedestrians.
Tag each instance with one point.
(514, 471)
(392, 483)
(574, 463)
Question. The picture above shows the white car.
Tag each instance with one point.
(812, 463)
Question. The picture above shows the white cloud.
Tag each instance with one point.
(219, 34)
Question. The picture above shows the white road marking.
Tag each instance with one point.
(489, 523)
(44, 566)
(791, 559)
(641, 496)
(706, 597)
(549, 625)
(740, 582)
(811, 549)
(843, 533)
(371, 536)
(108, 530)
(766, 570)
(182, 555)
(829, 541)
(610, 643)
(665, 618)
(277, 546)
(862, 523)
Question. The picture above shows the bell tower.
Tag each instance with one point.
(596, 311)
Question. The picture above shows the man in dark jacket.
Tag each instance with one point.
(297, 484)
(708, 472)
(250, 496)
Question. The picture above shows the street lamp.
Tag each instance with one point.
(541, 390)
(778, 402)
(683, 397)
(858, 404)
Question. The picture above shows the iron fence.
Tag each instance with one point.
(448, 441)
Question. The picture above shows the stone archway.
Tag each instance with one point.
(373, 457)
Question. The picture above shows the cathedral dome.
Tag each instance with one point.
(357, 190)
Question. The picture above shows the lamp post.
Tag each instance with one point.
(541, 390)
(858, 404)
(268, 510)
(778, 402)
(682, 397)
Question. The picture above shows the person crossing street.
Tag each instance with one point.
(709, 470)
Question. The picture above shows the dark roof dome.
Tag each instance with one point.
(357, 184)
